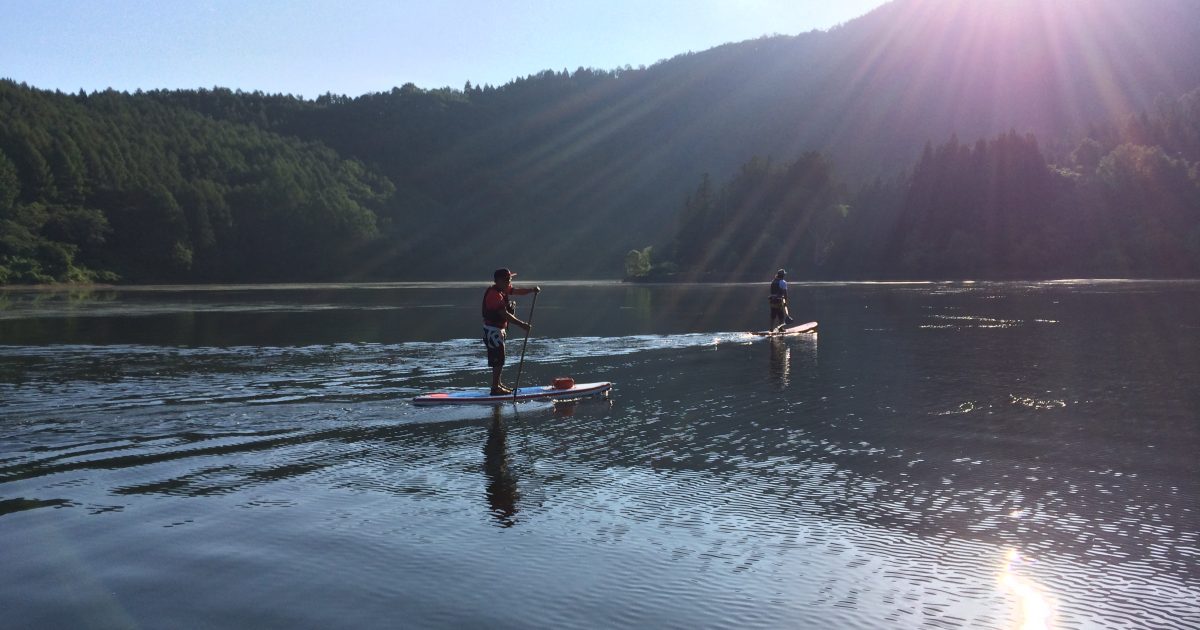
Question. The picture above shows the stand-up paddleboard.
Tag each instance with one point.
(810, 327)
(539, 392)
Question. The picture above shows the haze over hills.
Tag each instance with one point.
(612, 156)
(875, 90)
(562, 172)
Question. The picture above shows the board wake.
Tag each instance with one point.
(799, 329)
(538, 392)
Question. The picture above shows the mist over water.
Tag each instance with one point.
(972, 455)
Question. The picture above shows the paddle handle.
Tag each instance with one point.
(521, 365)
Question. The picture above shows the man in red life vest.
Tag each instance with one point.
(498, 311)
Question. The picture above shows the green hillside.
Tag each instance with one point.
(938, 130)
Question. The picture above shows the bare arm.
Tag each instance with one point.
(512, 319)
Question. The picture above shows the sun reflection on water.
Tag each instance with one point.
(1034, 610)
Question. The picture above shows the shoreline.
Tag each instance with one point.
(399, 284)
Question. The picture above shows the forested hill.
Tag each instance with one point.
(562, 172)
(112, 187)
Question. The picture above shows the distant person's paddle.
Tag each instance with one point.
(521, 365)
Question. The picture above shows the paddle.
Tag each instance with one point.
(521, 365)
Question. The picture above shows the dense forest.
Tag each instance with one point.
(112, 187)
(835, 153)
(1124, 203)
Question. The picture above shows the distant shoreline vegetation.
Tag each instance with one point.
(1117, 206)
(102, 199)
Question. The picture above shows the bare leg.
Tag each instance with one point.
(498, 388)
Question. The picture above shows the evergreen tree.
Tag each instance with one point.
(10, 185)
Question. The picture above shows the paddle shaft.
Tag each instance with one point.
(521, 365)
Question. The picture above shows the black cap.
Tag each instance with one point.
(781, 273)
(503, 273)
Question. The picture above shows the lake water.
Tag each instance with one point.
(949, 455)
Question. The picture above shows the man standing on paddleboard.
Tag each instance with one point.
(778, 300)
(498, 311)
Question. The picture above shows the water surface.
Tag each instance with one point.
(950, 455)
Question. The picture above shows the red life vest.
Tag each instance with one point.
(496, 316)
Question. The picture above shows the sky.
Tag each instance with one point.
(353, 47)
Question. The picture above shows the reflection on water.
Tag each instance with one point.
(781, 361)
(264, 439)
(1033, 610)
(502, 482)
(791, 356)
(640, 300)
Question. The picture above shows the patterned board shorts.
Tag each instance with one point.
(493, 339)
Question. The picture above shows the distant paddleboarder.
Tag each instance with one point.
(498, 311)
(779, 302)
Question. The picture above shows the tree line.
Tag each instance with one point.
(110, 186)
(210, 186)
(1125, 202)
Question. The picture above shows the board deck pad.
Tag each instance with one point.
(537, 392)
(810, 327)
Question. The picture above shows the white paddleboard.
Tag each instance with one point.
(538, 392)
(810, 327)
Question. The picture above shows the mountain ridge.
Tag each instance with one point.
(567, 171)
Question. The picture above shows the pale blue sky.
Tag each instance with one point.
(309, 47)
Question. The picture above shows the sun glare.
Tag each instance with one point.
(997, 47)
(1034, 610)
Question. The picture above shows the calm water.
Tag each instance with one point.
(940, 456)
